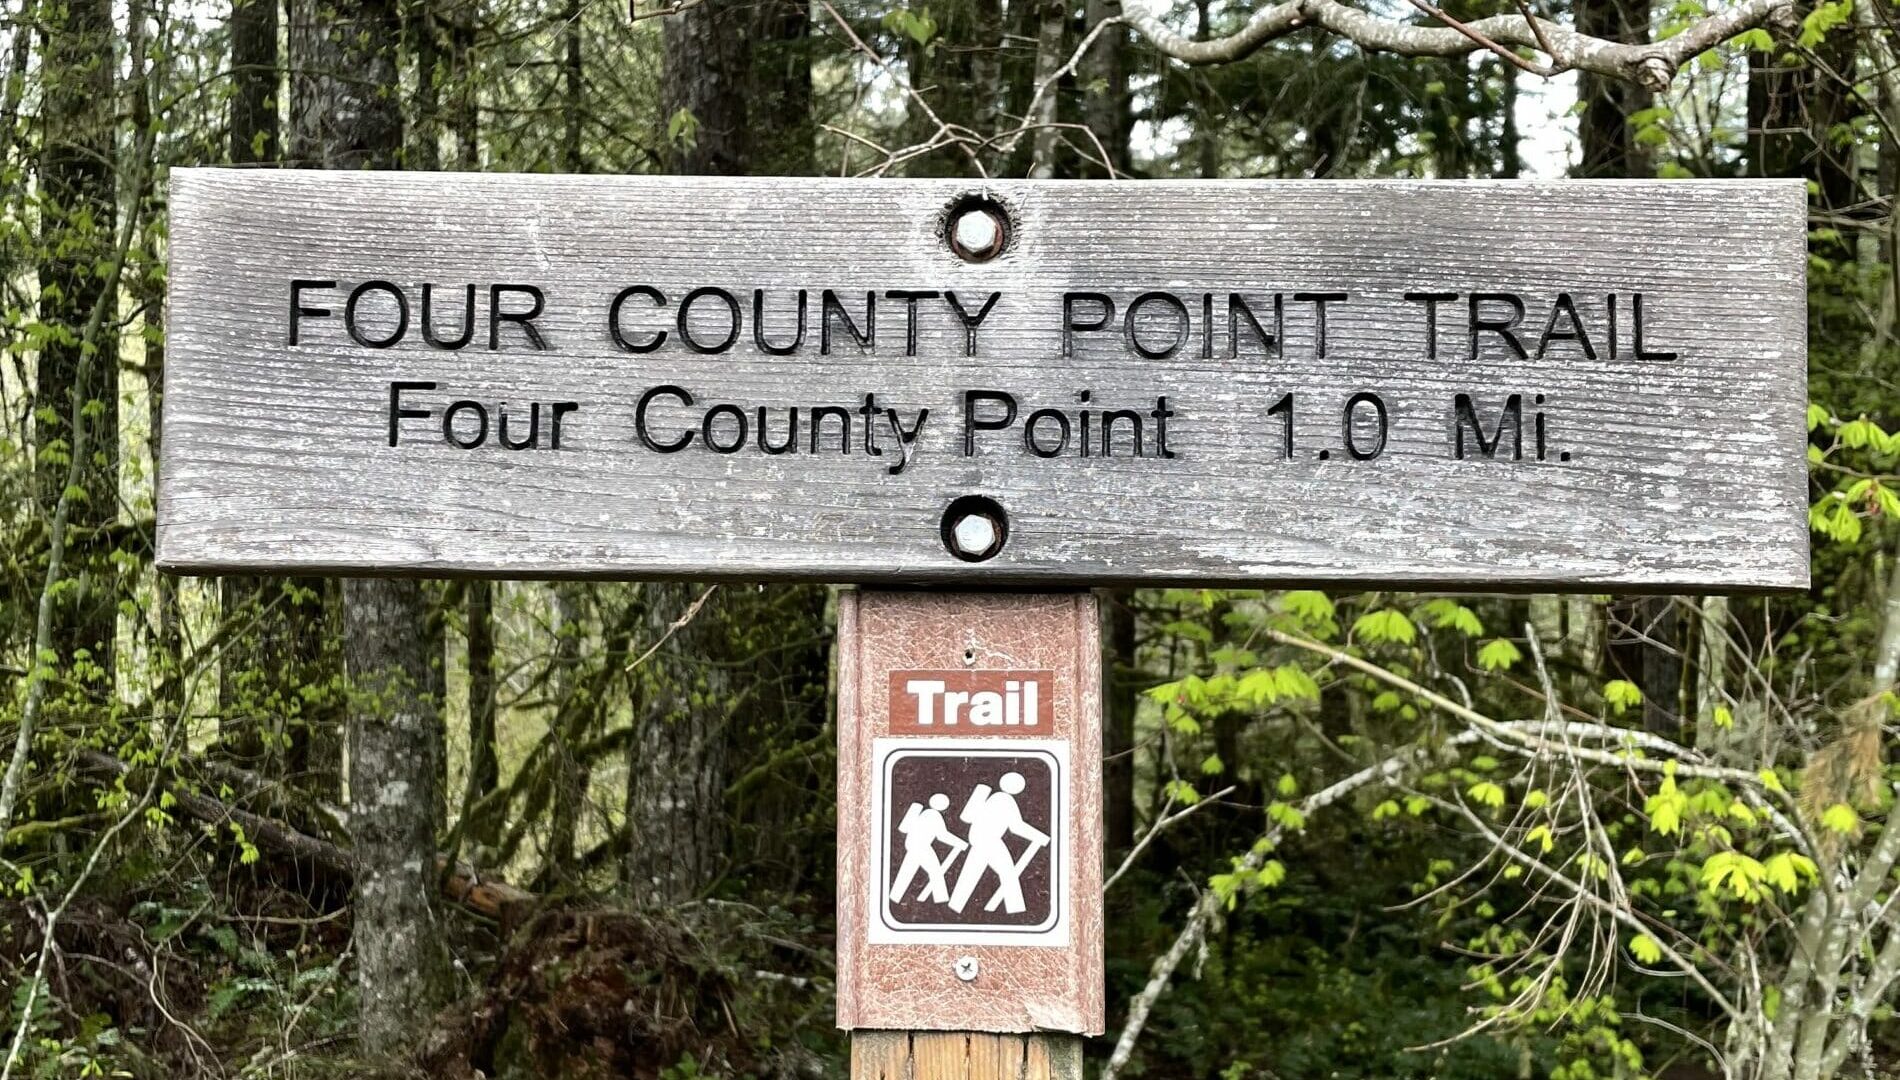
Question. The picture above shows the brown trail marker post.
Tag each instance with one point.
(941, 698)
(1014, 385)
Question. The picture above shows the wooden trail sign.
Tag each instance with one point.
(1487, 385)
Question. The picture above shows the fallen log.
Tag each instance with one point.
(462, 884)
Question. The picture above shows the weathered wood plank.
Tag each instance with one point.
(1682, 472)
(963, 1055)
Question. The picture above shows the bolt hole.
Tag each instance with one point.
(975, 527)
(977, 228)
(969, 656)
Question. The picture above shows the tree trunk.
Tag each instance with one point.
(1510, 157)
(1609, 141)
(704, 65)
(676, 779)
(484, 763)
(1105, 74)
(425, 33)
(77, 207)
(401, 965)
(1121, 696)
(676, 784)
(437, 598)
(255, 79)
(572, 724)
(149, 293)
(1207, 118)
(986, 66)
(266, 720)
(1661, 665)
(1547, 620)
(1052, 19)
(346, 113)
(573, 88)
(465, 92)
(345, 89)
(781, 89)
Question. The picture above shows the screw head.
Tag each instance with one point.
(966, 968)
(978, 230)
(974, 528)
(974, 534)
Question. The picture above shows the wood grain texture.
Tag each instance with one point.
(964, 1055)
(1684, 474)
(915, 986)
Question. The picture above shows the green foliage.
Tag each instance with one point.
(1499, 655)
(1384, 626)
(1622, 695)
(917, 25)
(682, 129)
(1336, 935)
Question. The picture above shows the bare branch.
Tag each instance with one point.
(674, 627)
(1654, 64)
(1154, 830)
(1508, 55)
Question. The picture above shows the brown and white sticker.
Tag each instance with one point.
(987, 703)
(969, 846)
(969, 812)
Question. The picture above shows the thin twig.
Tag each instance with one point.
(674, 627)
(1543, 41)
(1154, 830)
(1478, 36)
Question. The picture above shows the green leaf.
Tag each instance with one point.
(1841, 818)
(1666, 807)
(1735, 873)
(1287, 786)
(1257, 686)
(1385, 625)
(916, 25)
(1212, 765)
(1645, 949)
(1273, 873)
(1499, 655)
(1182, 792)
(682, 129)
(1308, 606)
(1486, 793)
(1786, 871)
(1449, 614)
(1286, 815)
(1622, 694)
(1292, 681)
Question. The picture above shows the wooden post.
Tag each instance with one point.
(969, 833)
(964, 1055)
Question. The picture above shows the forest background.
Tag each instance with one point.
(1350, 835)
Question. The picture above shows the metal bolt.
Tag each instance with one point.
(978, 232)
(966, 968)
(974, 534)
(975, 527)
